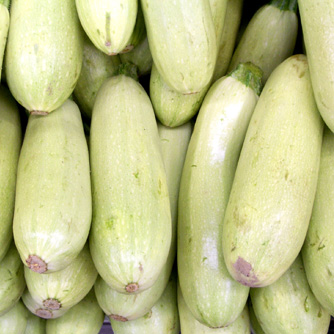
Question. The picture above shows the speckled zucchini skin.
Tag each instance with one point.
(131, 229)
(189, 324)
(15, 320)
(211, 160)
(12, 281)
(53, 195)
(162, 318)
(182, 41)
(109, 24)
(4, 19)
(319, 243)
(271, 200)
(35, 325)
(10, 145)
(86, 317)
(44, 53)
(289, 306)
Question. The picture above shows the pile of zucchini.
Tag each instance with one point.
(134, 133)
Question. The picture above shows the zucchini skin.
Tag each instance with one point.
(189, 325)
(317, 19)
(269, 39)
(86, 317)
(4, 19)
(131, 229)
(10, 143)
(288, 305)
(35, 325)
(43, 53)
(256, 327)
(182, 41)
(53, 195)
(108, 24)
(15, 320)
(211, 160)
(12, 283)
(319, 243)
(271, 200)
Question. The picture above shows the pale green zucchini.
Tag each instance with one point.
(269, 38)
(64, 288)
(35, 325)
(317, 19)
(96, 68)
(211, 160)
(120, 306)
(182, 41)
(44, 53)
(139, 56)
(131, 229)
(271, 200)
(4, 25)
(319, 244)
(218, 10)
(15, 320)
(163, 318)
(109, 24)
(10, 144)
(12, 281)
(53, 195)
(86, 317)
(228, 38)
(255, 326)
(39, 309)
(189, 325)
(289, 306)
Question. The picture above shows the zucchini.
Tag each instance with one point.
(120, 306)
(271, 200)
(211, 160)
(255, 326)
(162, 318)
(53, 195)
(12, 281)
(218, 10)
(44, 53)
(269, 38)
(131, 228)
(65, 288)
(182, 41)
(189, 325)
(108, 24)
(15, 320)
(10, 145)
(228, 38)
(4, 19)
(86, 317)
(96, 67)
(317, 19)
(288, 305)
(35, 325)
(319, 244)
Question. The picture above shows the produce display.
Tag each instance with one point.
(166, 167)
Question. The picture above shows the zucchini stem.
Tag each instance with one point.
(285, 4)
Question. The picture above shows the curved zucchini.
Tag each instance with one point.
(319, 244)
(120, 306)
(65, 288)
(271, 200)
(182, 41)
(12, 281)
(317, 19)
(44, 53)
(4, 19)
(269, 38)
(228, 38)
(86, 317)
(15, 320)
(163, 317)
(139, 56)
(109, 24)
(35, 325)
(211, 160)
(131, 229)
(288, 305)
(189, 325)
(10, 139)
(96, 68)
(53, 194)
